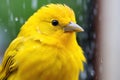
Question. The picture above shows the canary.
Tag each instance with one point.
(45, 48)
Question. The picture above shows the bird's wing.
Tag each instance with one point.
(24, 52)
(8, 64)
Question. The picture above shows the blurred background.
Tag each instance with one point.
(100, 41)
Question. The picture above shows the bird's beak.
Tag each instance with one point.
(73, 27)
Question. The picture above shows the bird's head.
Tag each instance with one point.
(53, 19)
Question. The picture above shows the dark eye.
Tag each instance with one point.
(55, 22)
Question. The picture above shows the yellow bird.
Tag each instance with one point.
(45, 48)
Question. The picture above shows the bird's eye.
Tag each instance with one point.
(55, 22)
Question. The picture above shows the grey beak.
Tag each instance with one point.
(73, 27)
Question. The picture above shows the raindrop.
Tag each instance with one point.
(91, 70)
(16, 18)
(79, 1)
(34, 4)
(94, 35)
(5, 30)
(81, 18)
(11, 16)
(8, 2)
(24, 5)
(101, 61)
(85, 7)
(92, 73)
(95, 11)
(21, 20)
(83, 75)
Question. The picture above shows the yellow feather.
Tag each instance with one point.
(42, 51)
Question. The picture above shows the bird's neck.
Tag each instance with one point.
(67, 39)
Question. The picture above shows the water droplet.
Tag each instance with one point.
(101, 61)
(81, 18)
(94, 36)
(92, 73)
(11, 16)
(23, 5)
(95, 11)
(34, 4)
(79, 1)
(16, 18)
(8, 2)
(5, 30)
(85, 7)
(91, 70)
(22, 20)
(83, 75)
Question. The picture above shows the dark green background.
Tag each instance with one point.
(14, 13)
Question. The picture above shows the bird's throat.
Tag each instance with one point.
(68, 39)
